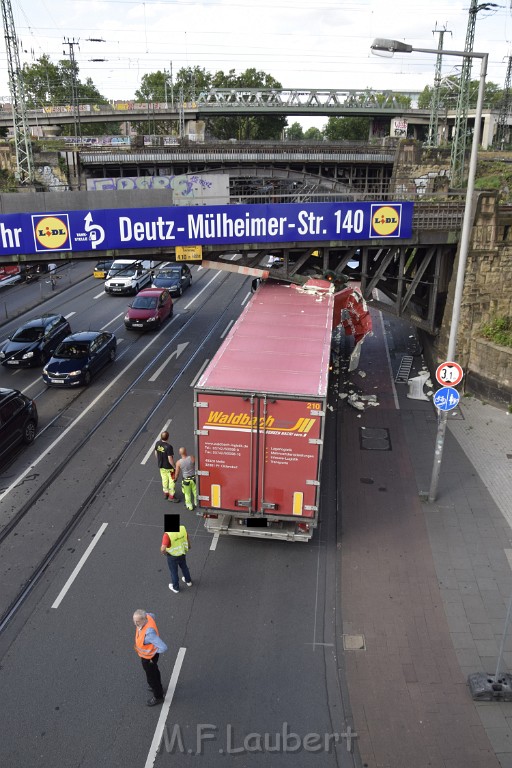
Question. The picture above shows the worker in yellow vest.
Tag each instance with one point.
(175, 545)
(148, 646)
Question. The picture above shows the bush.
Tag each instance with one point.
(499, 330)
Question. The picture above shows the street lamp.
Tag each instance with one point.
(395, 46)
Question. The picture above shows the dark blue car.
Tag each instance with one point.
(175, 277)
(79, 357)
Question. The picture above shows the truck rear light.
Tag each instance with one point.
(211, 517)
(303, 527)
(298, 503)
(215, 495)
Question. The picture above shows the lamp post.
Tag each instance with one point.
(395, 46)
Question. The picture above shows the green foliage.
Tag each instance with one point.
(499, 330)
(47, 84)
(347, 129)
(313, 134)
(449, 90)
(295, 132)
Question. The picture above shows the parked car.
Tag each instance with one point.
(149, 309)
(175, 278)
(18, 420)
(102, 267)
(78, 357)
(35, 342)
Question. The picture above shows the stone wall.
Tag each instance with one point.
(487, 293)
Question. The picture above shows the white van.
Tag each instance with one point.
(128, 276)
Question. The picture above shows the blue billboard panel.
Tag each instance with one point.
(120, 228)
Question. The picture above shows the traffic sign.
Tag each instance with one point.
(446, 398)
(449, 373)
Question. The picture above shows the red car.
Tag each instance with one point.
(149, 309)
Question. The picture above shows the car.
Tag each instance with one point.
(175, 278)
(18, 420)
(149, 309)
(102, 267)
(34, 343)
(78, 357)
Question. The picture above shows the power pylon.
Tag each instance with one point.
(432, 139)
(505, 110)
(461, 121)
(75, 100)
(22, 143)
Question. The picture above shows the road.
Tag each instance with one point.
(254, 657)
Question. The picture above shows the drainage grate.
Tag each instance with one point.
(374, 439)
(404, 370)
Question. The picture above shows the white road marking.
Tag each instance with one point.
(215, 541)
(72, 425)
(193, 382)
(99, 295)
(202, 290)
(111, 321)
(148, 454)
(226, 329)
(177, 352)
(79, 566)
(246, 298)
(36, 381)
(70, 314)
(395, 396)
(157, 738)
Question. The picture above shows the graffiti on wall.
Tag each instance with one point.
(190, 189)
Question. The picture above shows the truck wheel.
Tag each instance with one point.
(136, 289)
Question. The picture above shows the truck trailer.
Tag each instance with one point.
(260, 409)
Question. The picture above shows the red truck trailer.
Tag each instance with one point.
(260, 409)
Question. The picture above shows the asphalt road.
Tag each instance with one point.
(254, 659)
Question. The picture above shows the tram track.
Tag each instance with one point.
(11, 527)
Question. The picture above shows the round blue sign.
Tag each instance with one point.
(446, 398)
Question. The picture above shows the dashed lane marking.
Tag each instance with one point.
(157, 738)
(79, 566)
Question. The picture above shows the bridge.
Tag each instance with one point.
(407, 275)
(226, 102)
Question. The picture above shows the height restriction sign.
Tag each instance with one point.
(449, 373)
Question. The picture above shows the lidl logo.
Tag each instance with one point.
(51, 233)
(386, 220)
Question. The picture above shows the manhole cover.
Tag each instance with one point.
(374, 439)
(354, 643)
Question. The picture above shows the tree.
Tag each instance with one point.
(347, 129)
(48, 85)
(251, 126)
(295, 132)
(449, 91)
(313, 134)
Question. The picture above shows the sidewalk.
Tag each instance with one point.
(426, 585)
(23, 297)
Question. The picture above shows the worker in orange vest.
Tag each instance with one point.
(149, 645)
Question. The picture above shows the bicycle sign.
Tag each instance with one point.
(449, 373)
(446, 398)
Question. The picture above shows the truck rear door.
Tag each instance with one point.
(259, 455)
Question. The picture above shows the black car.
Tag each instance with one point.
(34, 342)
(79, 357)
(18, 420)
(175, 278)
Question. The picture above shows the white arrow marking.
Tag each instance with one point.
(177, 352)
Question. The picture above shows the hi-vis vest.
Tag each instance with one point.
(145, 651)
(179, 542)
